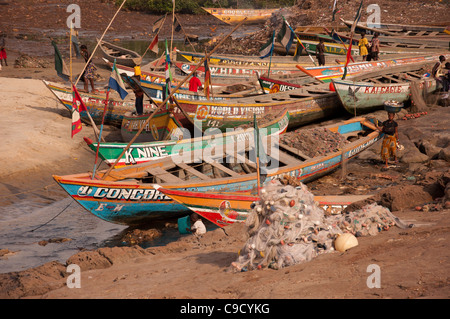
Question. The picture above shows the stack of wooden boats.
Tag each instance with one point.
(130, 195)
(169, 174)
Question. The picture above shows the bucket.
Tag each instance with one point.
(183, 223)
(393, 106)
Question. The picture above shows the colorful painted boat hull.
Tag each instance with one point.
(232, 113)
(145, 152)
(234, 16)
(224, 209)
(160, 128)
(363, 97)
(132, 201)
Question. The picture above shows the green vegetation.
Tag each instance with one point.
(194, 6)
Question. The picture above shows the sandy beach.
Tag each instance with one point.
(37, 143)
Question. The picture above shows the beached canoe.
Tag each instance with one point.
(145, 152)
(369, 91)
(117, 108)
(234, 16)
(305, 105)
(236, 72)
(121, 55)
(127, 195)
(226, 208)
(243, 60)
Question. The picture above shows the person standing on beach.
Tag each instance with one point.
(89, 72)
(363, 46)
(320, 52)
(375, 46)
(390, 141)
(2, 49)
(195, 83)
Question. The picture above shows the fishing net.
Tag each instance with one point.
(288, 227)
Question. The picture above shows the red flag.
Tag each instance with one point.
(154, 45)
(77, 107)
(349, 56)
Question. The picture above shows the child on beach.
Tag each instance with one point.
(197, 228)
(390, 141)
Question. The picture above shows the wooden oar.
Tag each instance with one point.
(308, 73)
(163, 103)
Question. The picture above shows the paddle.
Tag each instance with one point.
(308, 73)
(168, 97)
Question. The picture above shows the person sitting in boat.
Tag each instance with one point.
(89, 72)
(390, 141)
(197, 228)
(195, 84)
(363, 45)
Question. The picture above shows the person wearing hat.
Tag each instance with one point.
(138, 93)
(2, 49)
(390, 141)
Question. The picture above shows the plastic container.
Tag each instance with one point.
(183, 223)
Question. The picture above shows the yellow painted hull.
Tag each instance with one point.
(234, 16)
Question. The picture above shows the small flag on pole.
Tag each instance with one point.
(158, 24)
(358, 16)
(154, 45)
(177, 25)
(60, 65)
(285, 36)
(349, 51)
(168, 74)
(116, 82)
(77, 107)
(267, 49)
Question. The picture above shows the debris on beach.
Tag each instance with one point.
(314, 142)
(26, 61)
(287, 227)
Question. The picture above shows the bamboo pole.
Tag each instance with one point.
(186, 35)
(167, 98)
(99, 41)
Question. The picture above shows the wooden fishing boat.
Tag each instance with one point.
(413, 43)
(157, 92)
(127, 195)
(368, 92)
(161, 127)
(145, 152)
(326, 73)
(226, 208)
(397, 29)
(333, 49)
(234, 16)
(277, 84)
(95, 103)
(243, 60)
(122, 56)
(305, 105)
(234, 72)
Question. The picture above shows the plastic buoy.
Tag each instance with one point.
(345, 241)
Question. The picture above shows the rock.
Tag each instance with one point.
(444, 154)
(431, 150)
(413, 155)
(88, 260)
(118, 255)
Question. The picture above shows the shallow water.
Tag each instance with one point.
(25, 223)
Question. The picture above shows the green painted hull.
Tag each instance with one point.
(145, 152)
